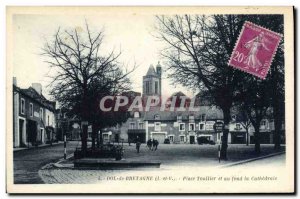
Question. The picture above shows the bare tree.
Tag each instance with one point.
(256, 98)
(197, 52)
(244, 120)
(278, 98)
(82, 66)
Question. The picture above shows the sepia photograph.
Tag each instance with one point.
(135, 100)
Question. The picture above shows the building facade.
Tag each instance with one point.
(33, 116)
(185, 127)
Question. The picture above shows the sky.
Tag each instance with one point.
(132, 34)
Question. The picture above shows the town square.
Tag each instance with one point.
(137, 101)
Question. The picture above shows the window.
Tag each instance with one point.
(182, 138)
(22, 106)
(192, 126)
(41, 114)
(171, 137)
(263, 124)
(181, 127)
(48, 120)
(209, 125)
(156, 87)
(105, 137)
(202, 118)
(141, 125)
(147, 87)
(157, 126)
(31, 109)
(201, 126)
(238, 126)
(131, 125)
(191, 118)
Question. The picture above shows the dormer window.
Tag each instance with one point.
(202, 117)
(156, 117)
(233, 117)
(179, 118)
(238, 126)
(136, 115)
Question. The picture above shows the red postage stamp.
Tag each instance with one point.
(254, 50)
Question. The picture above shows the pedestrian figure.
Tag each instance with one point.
(129, 142)
(155, 145)
(138, 144)
(149, 144)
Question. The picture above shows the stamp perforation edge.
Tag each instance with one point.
(237, 41)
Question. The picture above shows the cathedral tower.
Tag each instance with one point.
(152, 81)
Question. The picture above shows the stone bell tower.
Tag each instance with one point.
(152, 81)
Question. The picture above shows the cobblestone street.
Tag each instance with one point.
(173, 158)
(28, 162)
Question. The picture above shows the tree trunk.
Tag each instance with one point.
(277, 113)
(257, 139)
(84, 138)
(84, 113)
(101, 137)
(226, 113)
(247, 136)
(277, 127)
(98, 139)
(94, 134)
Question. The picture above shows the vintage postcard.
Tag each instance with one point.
(150, 100)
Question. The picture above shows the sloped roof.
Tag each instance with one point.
(151, 71)
(211, 112)
(33, 94)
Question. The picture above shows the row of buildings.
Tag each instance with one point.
(184, 126)
(37, 120)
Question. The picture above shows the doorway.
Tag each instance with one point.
(31, 130)
(192, 139)
(42, 135)
(21, 133)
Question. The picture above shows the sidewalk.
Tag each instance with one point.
(40, 146)
(251, 160)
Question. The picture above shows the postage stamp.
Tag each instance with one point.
(255, 49)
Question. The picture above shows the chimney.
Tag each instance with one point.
(15, 81)
(37, 87)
